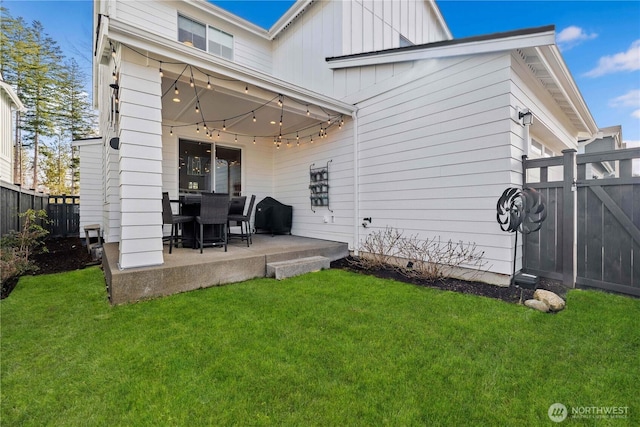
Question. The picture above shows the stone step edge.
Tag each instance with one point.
(295, 267)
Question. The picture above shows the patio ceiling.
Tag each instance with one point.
(232, 105)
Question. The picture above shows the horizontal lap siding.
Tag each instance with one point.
(292, 184)
(435, 154)
(91, 185)
(157, 17)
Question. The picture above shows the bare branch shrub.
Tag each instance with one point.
(429, 260)
(379, 249)
(433, 259)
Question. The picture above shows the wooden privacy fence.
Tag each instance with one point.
(15, 200)
(591, 237)
(64, 216)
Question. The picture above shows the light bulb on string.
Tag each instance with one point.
(297, 137)
(113, 51)
(160, 71)
(288, 144)
(208, 82)
(246, 89)
(224, 125)
(197, 128)
(254, 140)
(176, 91)
(254, 116)
(308, 113)
(171, 131)
(236, 140)
(197, 107)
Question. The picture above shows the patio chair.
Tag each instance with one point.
(244, 220)
(168, 218)
(214, 210)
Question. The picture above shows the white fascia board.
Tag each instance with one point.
(449, 50)
(555, 65)
(296, 9)
(161, 47)
(14, 97)
(229, 17)
(87, 141)
(440, 18)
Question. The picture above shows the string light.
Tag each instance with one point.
(236, 140)
(176, 91)
(254, 116)
(197, 128)
(308, 113)
(254, 140)
(171, 131)
(113, 51)
(224, 125)
(208, 82)
(197, 107)
(161, 73)
(246, 89)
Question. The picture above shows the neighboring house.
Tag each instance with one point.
(9, 103)
(423, 132)
(607, 139)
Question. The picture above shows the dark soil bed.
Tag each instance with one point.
(63, 254)
(508, 294)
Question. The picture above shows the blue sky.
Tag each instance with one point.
(599, 40)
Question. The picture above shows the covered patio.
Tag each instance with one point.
(186, 269)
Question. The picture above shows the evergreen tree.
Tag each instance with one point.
(76, 117)
(40, 91)
(15, 45)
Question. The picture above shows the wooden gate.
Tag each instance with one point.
(64, 216)
(591, 237)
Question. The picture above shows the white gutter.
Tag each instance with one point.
(294, 11)
(356, 184)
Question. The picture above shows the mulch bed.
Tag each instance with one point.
(63, 254)
(66, 254)
(509, 294)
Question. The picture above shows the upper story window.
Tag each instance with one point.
(191, 33)
(205, 37)
(220, 43)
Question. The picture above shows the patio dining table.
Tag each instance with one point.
(190, 205)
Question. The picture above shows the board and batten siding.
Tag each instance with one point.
(140, 166)
(292, 184)
(435, 154)
(376, 25)
(328, 29)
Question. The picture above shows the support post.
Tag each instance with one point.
(569, 219)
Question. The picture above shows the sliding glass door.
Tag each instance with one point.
(205, 167)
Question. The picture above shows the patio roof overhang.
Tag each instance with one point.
(237, 94)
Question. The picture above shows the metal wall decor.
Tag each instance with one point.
(319, 186)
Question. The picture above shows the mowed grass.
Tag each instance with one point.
(329, 349)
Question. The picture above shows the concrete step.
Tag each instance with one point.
(295, 267)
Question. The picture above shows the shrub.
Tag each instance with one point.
(430, 259)
(17, 247)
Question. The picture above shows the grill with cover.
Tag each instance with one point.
(273, 216)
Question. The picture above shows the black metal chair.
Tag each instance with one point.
(214, 210)
(245, 221)
(168, 218)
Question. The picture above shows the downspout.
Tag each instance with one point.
(356, 184)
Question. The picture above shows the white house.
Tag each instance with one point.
(421, 131)
(9, 102)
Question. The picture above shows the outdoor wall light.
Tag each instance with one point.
(526, 116)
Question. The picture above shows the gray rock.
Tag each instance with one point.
(537, 305)
(554, 302)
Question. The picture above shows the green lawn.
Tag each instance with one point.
(330, 349)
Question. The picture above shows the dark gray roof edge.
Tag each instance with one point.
(484, 37)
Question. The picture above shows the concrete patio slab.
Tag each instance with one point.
(186, 269)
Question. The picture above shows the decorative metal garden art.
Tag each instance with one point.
(520, 210)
